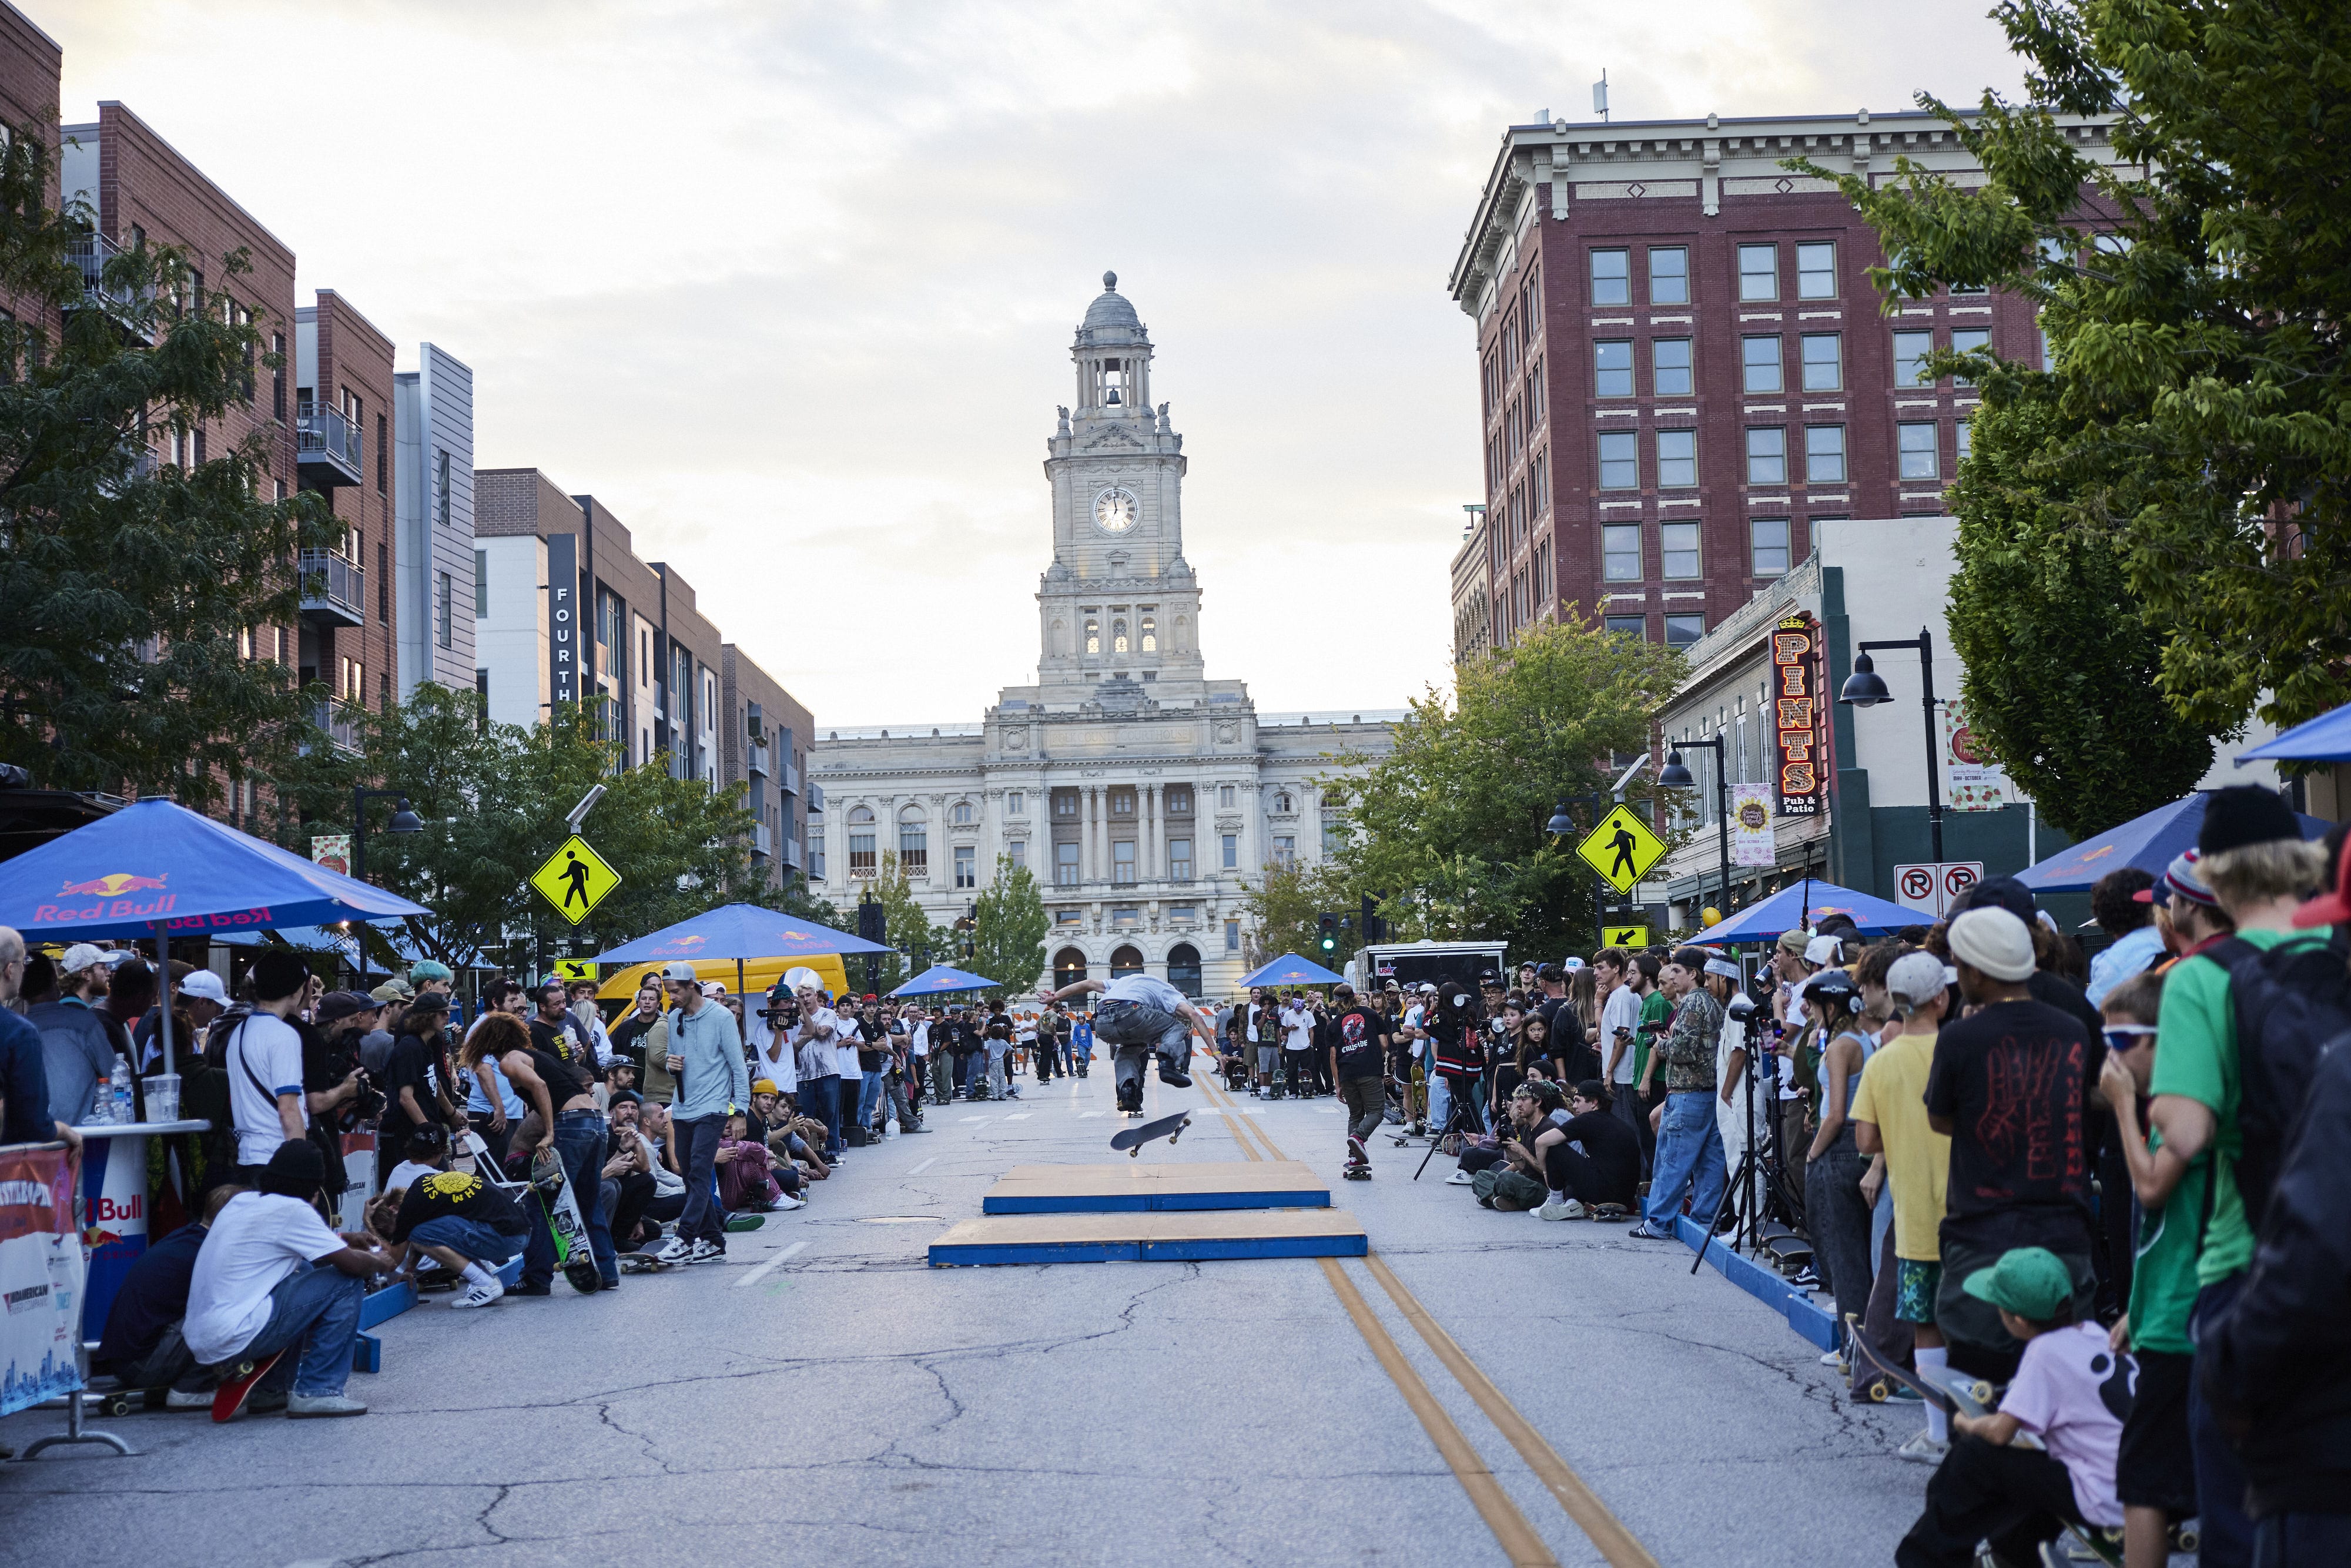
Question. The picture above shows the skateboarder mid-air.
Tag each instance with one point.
(1137, 1015)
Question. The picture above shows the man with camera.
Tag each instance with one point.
(1450, 1023)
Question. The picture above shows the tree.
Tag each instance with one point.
(1286, 904)
(136, 591)
(2061, 667)
(1008, 927)
(1449, 826)
(2200, 398)
(918, 943)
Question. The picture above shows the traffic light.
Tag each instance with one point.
(1327, 925)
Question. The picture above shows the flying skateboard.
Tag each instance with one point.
(1132, 1139)
(228, 1399)
(570, 1232)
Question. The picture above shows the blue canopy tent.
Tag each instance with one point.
(1801, 906)
(2150, 842)
(738, 931)
(2327, 738)
(1289, 970)
(156, 869)
(939, 979)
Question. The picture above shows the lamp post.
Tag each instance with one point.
(404, 820)
(1866, 688)
(1675, 776)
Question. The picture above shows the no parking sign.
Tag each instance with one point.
(1931, 887)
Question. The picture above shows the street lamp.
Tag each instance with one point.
(1866, 688)
(404, 820)
(1675, 776)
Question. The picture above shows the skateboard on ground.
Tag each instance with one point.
(570, 1232)
(1955, 1392)
(1607, 1213)
(1356, 1173)
(1132, 1139)
(237, 1388)
(643, 1262)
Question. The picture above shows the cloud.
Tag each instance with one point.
(790, 289)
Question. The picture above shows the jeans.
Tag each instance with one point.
(579, 1140)
(168, 1366)
(1367, 1104)
(469, 1239)
(823, 1098)
(1839, 1221)
(869, 1095)
(942, 1077)
(2220, 1475)
(1625, 1103)
(997, 1083)
(1125, 1023)
(697, 1149)
(317, 1307)
(1689, 1160)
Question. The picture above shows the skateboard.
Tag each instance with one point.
(1132, 1139)
(228, 1399)
(1608, 1213)
(570, 1232)
(1356, 1173)
(1955, 1392)
(642, 1262)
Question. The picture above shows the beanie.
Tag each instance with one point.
(278, 973)
(2245, 814)
(1994, 941)
(295, 1170)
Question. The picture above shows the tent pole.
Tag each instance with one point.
(163, 967)
(739, 978)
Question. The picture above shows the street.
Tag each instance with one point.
(827, 1396)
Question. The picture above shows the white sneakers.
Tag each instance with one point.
(791, 1200)
(1458, 1179)
(706, 1253)
(312, 1404)
(677, 1249)
(1922, 1449)
(1560, 1208)
(477, 1295)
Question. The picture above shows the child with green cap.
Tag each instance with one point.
(2070, 1393)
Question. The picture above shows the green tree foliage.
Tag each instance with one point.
(2062, 671)
(1286, 903)
(1008, 927)
(2193, 297)
(918, 943)
(1450, 825)
(130, 585)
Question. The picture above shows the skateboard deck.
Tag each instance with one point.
(570, 1232)
(642, 1262)
(1132, 1139)
(1954, 1393)
(228, 1399)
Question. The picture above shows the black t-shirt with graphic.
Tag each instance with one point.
(458, 1193)
(2010, 1080)
(1360, 1036)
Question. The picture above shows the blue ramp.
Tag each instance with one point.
(1151, 1237)
(1133, 1186)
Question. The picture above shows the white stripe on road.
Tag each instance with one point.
(970, 1119)
(1083, 1114)
(924, 1167)
(769, 1267)
(1018, 1116)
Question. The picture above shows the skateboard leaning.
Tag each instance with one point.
(564, 1221)
(235, 1389)
(1955, 1393)
(1132, 1139)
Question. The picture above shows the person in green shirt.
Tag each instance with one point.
(2251, 855)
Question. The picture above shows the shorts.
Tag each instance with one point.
(2155, 1467)
(1915, 1285)
(469, 1239)
(1265, 1058)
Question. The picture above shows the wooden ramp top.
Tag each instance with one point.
(1132, 1186)
(1151, 1237)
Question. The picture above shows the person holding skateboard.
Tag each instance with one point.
(1139, 1014)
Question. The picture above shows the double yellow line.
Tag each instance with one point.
(1518, 1538)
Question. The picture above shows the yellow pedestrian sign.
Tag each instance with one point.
(1622, 849)
(575, 968)
(575, 880)
(1629, 937)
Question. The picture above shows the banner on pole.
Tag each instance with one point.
(1752, 839)
(1975, 781)
(333, 851)
(40, 1278)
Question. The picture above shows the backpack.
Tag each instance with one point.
(2288, 1004)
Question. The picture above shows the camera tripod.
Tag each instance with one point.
(1455, 1122)
(1742, 1186)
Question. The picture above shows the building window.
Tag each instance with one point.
(967, 869)
(1669, 367)
(1633, 626)
(1824, 454)
(1965, 431)
(1065, 865)
(1121, 802)
(1179, 860)
(1767, 547)
(1612, 279)
(1069, 965)
(1620, 552)
(1919, 451)
(1668, 275)
(278, 374)
(1816, 270)
(1224, 794)
(1612, 367)
(1759, 272)
(1334, 834)
(960, 814)
(1677, 549)
(1759, 364)
(1065, 803)
(1069, 917)
(1910, 352)
(1122, 862)
(1285, 850)
(1016, 803)
(1126, 960)
(913, 847)
(1150, 635)
(1677, 459)
(1118, 636)
(445, 611)
(1681, 631)
(441, 486)
(1620, 461)
(1230, 844)
(861, 853)
(1017, 851)
(1183, 968)
(1232, 935)
(1823, 362)
(1179, 799)
(1968, 340)
(1767, 456)
(1094, 635)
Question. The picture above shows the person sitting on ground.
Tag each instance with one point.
(747, 1179)
(143, 1347)
(1506, 1174)
(792, 1139)
(627, 1183)
(1597, 1160)
(2071, 1392)
(272, 1278)
(650, 1124)
(464, 1223)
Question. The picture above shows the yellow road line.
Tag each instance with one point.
(1604, 1530)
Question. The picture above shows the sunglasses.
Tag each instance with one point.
(2127, 1036)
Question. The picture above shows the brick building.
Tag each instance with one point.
(1682, 364)
(343, 391)
(31, 65)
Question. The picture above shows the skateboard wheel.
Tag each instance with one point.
(1980, 1392)
(114, 1404)
(1877, 1392)
(1136, 1152)
(2186, 1538)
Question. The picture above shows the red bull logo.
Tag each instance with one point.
(115, 894)
(112, 886)
(684, 944)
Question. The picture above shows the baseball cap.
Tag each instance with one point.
(428, 1004)
(203, 985)
(713, 988)
(677, 969)
(393, 991)
(2031, 1281)
(1916, 980)
(1792, 943)
(1548, 971)
(2002, 892)
(1428, 988)
(336, 1004)
(1823, 950)
(79, 957)
(802, 978)
(1490, 976)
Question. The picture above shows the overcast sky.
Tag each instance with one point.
(790, 287)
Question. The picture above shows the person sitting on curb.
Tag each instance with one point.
(748, 1178)
(461, 1221)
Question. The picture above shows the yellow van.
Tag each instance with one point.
(755, 976)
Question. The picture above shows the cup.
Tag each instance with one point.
(162, 1097)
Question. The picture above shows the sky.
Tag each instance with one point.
(790, 287)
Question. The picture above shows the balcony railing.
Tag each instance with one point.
(89, 253)
(329, 448)
(791, 780)
(758, 760)
(334, 589)
(763, 839)
(335, 721)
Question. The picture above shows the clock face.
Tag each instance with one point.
(1115, 510)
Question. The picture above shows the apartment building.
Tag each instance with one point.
(1683, 367)
(343, 395)
(31, 65)
(433, 544)
(764, 738)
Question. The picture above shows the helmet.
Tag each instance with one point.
(1830, 987)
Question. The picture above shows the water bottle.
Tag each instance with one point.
(119, 1094)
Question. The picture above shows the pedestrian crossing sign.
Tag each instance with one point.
(1632, 938)
(575, 880)
(1622, 849)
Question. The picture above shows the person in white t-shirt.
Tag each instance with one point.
(1138, 1015)
(270, 1279)
(772, 1056)
(263, 1057)
(1620, 1017)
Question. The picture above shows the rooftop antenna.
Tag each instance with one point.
(1600, 96)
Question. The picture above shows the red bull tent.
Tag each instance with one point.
(1289, 970)
(156, 869)
(738, 931)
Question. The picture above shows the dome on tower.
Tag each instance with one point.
(1111, 308)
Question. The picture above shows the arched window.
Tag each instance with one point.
(1150, 635)
(1183, 968)
(1125, 961)
(914, 842)
(1060, 636)
(962, 815)
(861, 841)
(1094, 635)
(1069, 967)
(862, 817)
(1118, 636)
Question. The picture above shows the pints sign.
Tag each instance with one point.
(1796, 715)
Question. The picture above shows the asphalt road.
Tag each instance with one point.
(825, 1397)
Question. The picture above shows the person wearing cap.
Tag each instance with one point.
(76, 1048)
(767, 1033)
(2187, 916)
(417, 1083)
(2069, 1389)
(2007, 1086)
(817, 1062)
(706, 1053)
(2251, 854)
(1836, 1211)
(1689, 1150)
(272, 1278)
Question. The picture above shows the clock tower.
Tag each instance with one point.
(1119, 604)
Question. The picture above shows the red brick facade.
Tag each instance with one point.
(30, 67)
(352, 372)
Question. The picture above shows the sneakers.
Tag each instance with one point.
(1173, 1074)
(538, 1287)
(1459, 1178)
(1805, 1279)
(1560, 1208)
(302, 1406)
(791, 1200)
(478, 1295)
(1357, 1154)
(1835, 1358)
(1644, 1233)
(706, 1251)
(677, 1249)
(1922, 1449)
(185, 1399)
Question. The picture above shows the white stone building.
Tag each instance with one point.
(1143, 796)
